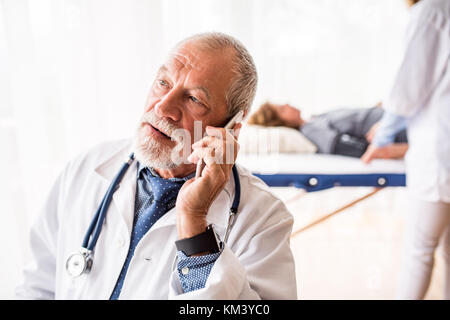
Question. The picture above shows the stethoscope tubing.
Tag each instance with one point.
(96, 224)
(237, 190)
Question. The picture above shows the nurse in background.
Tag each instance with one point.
(420, 101)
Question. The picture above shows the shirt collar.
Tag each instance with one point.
(142, 170)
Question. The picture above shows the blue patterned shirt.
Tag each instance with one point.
(193, 271)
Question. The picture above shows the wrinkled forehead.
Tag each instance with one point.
(204, 65)
(187, 61)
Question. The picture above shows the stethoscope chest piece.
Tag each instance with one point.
(79, 263)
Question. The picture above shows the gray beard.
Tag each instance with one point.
(150, 153)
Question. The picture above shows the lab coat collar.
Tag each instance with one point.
(124, 197)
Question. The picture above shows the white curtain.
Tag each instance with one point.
(74, 73)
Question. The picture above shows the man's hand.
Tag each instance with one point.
(219, 151)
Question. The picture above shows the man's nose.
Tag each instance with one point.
(169, 106)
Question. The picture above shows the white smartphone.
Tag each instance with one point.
(237, 118)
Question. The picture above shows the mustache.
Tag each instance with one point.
(161, 124)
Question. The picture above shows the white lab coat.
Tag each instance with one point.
(256, 263)
(421, 92)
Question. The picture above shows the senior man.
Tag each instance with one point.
(155, 242)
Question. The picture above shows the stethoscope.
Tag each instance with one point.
(80, 262)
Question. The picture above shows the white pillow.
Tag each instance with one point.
(260, 139)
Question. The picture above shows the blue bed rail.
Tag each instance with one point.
(317, 182)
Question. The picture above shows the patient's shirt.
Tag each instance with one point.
(343, 131)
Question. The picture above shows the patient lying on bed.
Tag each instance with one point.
(345, 132)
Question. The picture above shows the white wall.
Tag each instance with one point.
(75, 73)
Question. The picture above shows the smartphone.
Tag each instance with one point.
(237, 118)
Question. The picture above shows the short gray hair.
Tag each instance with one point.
(242, 90)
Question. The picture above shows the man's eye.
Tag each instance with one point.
(194, 99)
(162, 82)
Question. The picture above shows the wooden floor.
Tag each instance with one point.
(355, 254)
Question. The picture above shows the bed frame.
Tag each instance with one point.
(313, 172)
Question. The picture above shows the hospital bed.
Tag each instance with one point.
(315, 172)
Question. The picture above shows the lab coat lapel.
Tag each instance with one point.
(124, 196)
(219, 211)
